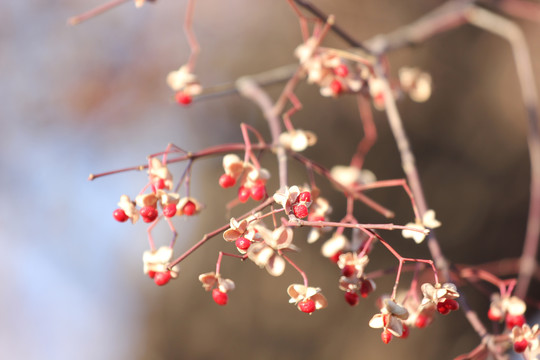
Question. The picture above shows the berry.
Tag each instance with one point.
(348, 270)
(243, 194)
(160, 184)
(521, 345)
(352, 298)
(304, 196)
(421, 321)
(493, 316)
(405, 333)
(336, 87)
(151, 274)
(242, 243)
(300, 211)
(120, 215)
(451, 304)
(189, 208)
(386, 336)
(161, 278)
(258, 191)
(334, 258)
(169, 210)
(148, 214)
(219, 297)
(226, 181)
(366, 288)
(341, 70)
(514, 320)
(442, 309)
(307, 306)
(182, 98)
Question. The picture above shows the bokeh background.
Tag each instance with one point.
(93, 98)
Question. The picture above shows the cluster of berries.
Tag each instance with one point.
(251, 180)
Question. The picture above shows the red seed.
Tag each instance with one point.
(341, 70)
(514, 320)
(151, 274)
(336, 87)
(300, 211)
(335, 258)
(242, 243)
(169, 210)
(189, 208)
(366, 288)
(352, 298)
(226, 181)
(451, 304)
(182, 98)
(421, 321)
(243, 194)
(162, 278)
(148, 213)
(386, 336)
(307, 306)
(120, 215)
(521, 345)
(258, 192)
(441, 308)
(219, 297)
(304, 196)
(405, 333)
(348, 270)
(160, 184)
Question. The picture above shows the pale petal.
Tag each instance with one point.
(275, 265)
(346, 175)
(226, 285)
(260, 254)
(377, 321)
(333, 245)
(429, 220)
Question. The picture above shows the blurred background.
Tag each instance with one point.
(93, 98)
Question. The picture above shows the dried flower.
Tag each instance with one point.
(300, 293)
(129, 208)
(390, 317)
(211, 280)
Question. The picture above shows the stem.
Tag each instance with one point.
(304, 277)
(75, 20)
(513, 34)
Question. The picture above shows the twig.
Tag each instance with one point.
(513, 34)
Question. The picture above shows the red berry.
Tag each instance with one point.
(161, 278)
(242, 243)
(169, 210)
(120, 215)
(258, 191)
(336, 87)
(441, 308)
(307, 306)
(182, 98)
(521, 345)
(386, 336)
(148, 213)
(348, 270)
(405, 333)
(366, 288)
(300, 211)
(494, 316)
(451, 304)
(352, 298)
(341, 70)
(189, 208)
(304, 196)
(226, 181)
(421, 321)
(514, 320)
(335, 258)
(243, 194)
(160, 184)
(151, 274)
(219, 297)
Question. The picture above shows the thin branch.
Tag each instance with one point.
(512, 33)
